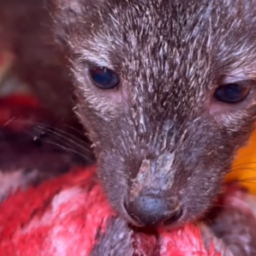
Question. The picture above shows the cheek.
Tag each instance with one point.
(106, 106)
(207, 170)
(113, 176)
(238, 118)
(240, 123)
(201, 192)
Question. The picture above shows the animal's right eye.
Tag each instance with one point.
(103, 78)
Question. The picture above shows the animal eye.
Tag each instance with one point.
(103, 78)
(232, 93)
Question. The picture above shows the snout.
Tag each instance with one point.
(152, 210)
(151, 201)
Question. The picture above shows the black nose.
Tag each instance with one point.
(151, 210)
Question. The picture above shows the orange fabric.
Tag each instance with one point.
(244, 166)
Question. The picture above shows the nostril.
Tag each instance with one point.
(175, 217)
(132, 214)
(150, 210)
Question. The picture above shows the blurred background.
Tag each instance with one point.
(8, 82)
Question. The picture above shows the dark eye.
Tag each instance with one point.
(103, 78)
(232, 93)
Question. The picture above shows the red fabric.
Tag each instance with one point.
(62, 217)
(19, 101)
(19, 112)
(28, 219)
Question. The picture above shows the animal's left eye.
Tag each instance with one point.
(233, 93)
(103, 78)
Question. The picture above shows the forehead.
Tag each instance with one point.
(173, 30)
(176, 16)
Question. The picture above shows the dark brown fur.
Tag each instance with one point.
(171, 55)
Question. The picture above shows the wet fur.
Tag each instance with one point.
(171, 56)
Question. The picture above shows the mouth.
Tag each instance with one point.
(174, 219)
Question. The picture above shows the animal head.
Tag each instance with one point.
(166, 90)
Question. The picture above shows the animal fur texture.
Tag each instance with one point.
(160, 133)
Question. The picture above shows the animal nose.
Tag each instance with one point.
(152, 210)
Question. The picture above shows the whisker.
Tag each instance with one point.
(242, 164)
(70, 135)
(243, 169)
(75, 129)
(61, 135)
(65, 144)
(9, 121)
(248, 180)
(67, 149)
(70, 150)
(65, 138)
